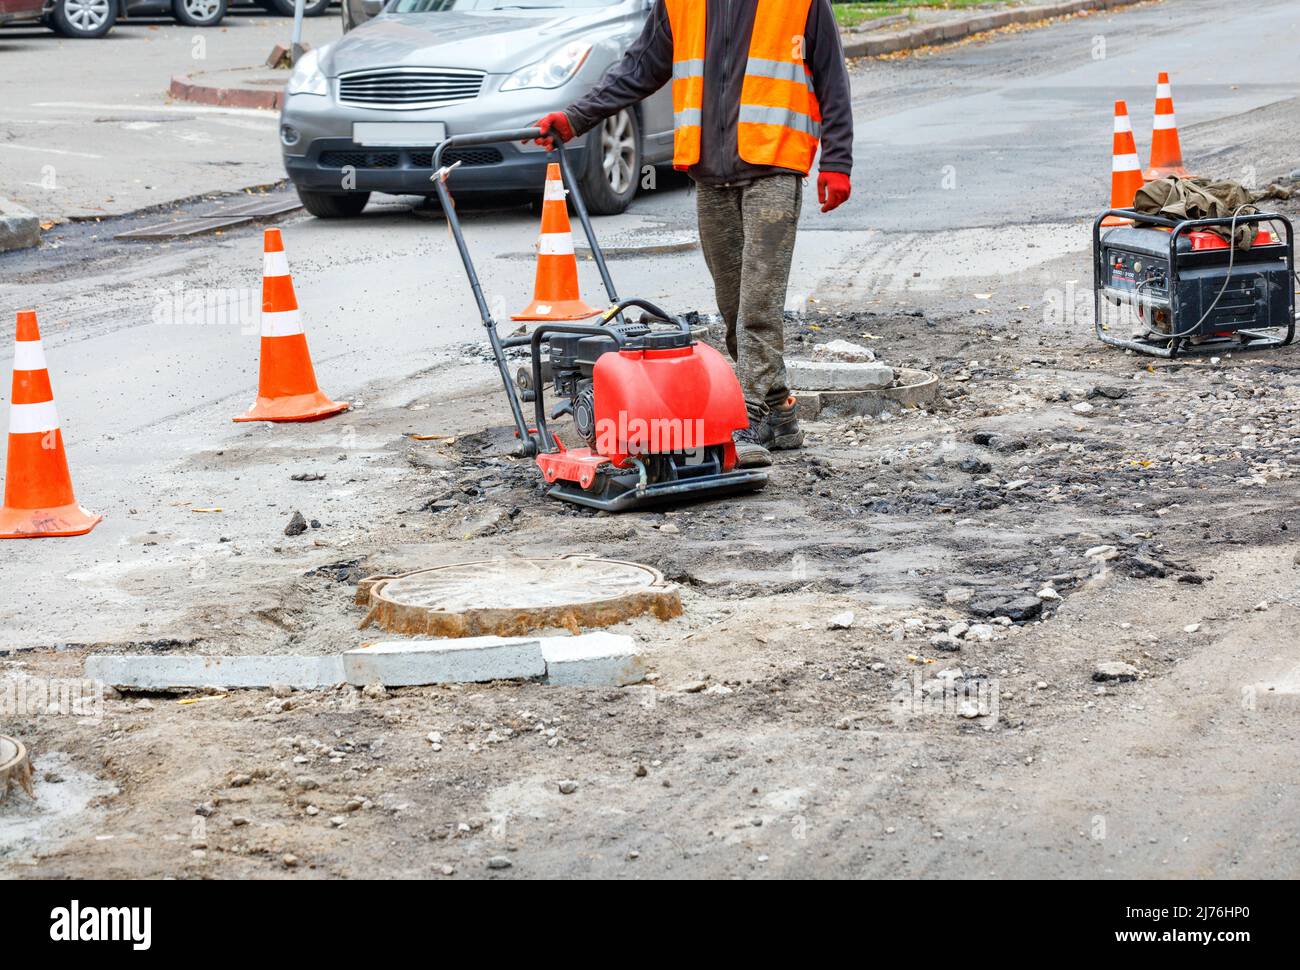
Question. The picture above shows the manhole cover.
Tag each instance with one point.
(512, 597)
(15, 767)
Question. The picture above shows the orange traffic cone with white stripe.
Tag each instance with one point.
(1126, 167)
(38, 488)
(555, 295)
(287, 389)
(1166, 151)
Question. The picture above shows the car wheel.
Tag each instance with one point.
(199, 13)
(332, 205)
(83, 18)
(313, 8)
(613, 165)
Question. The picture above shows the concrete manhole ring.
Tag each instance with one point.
(513, 597)
(910, 389)
(15, 767)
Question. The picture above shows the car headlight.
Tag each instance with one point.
(307, 77)
(552, 71)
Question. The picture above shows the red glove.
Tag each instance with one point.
(554, 122)
(833, 190)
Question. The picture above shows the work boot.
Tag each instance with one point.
(784, 422)
(752, 442)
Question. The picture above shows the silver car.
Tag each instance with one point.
(364, 114)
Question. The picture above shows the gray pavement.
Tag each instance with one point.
(146, 396)
(87, 127)
(384, 296)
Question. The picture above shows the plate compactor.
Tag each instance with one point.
(1190, 290)
(655, 408)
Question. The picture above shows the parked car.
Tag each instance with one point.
(95, 18)
(365, 113)
(312, 8)
(11, 10)
(71, 18)
(191, 13)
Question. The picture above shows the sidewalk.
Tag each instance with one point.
(929, 26)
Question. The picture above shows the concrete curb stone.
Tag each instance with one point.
(19, 228)
(162, 672)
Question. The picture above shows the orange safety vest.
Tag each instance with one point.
(780, 119)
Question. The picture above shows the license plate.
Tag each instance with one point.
(399, 134)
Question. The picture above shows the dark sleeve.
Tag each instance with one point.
(645, 68)
(831, 83)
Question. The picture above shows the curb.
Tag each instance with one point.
(186, 87)
(956, 30)
(19, 228)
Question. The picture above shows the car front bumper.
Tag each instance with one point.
(324, 158)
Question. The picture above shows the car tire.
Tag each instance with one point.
(313, 8)
(333, 205)
(612, 169)
(83, 19)
(199, 13)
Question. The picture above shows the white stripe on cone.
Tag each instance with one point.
(275, 264)
(555, 192)
(33, 418)
(1126, 163)
(28, 355)
(555, 244)
(1165, 122)
(1123, 124)
(1164, 91)
(281, 323)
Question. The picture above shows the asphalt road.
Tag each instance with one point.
(87, 127)
(1023, 119)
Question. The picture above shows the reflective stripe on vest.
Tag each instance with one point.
(686, 19)
(780, 119)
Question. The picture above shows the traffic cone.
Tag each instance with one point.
(38, 489)
(1166, 152)
(1126, 168)
(286, 389)
(555, 295)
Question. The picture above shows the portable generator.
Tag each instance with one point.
(654, 408)
(1182, 289)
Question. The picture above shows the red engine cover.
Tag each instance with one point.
(1203, 239)
(658, 401)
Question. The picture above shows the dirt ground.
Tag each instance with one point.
(1065, 505)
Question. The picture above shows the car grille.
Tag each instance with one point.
(360, 159)
(338, 158)
(466, 156)
(399, 88)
